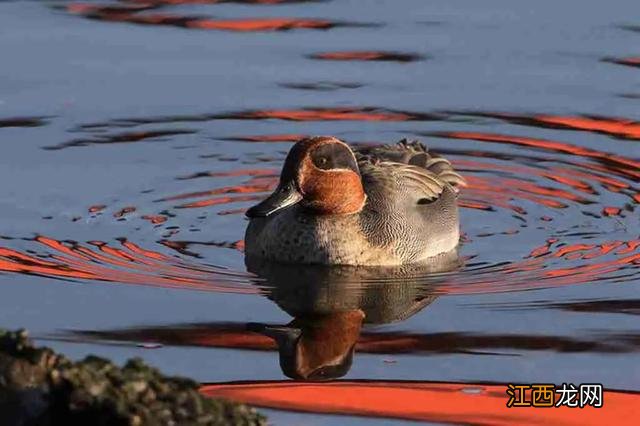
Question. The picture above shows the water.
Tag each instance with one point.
(135, 134)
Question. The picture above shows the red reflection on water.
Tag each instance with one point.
(611, 211)
(233, 335)
(329, 114)
(155, 219)
(263, 24)
(621, 128)
(97, 208)
(500, 191)
(182, 247)
(231, 212)
(259, 2)
(122, 8)
(623, 165)
(124, 211)
(260, 182)
(474, 204)
(128, 264)
(630, 62)
(268, 138)
(236, 189)
(564, 176)
(257, 185)
(133, 13)
(541, 270)
(127, 137)
(234, 173)
(456, 403)
(300, 114)
(617, 127)
(543, 250)
(572, 181)
(220, 200)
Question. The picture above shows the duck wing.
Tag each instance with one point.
(411, 206)
(410, 165)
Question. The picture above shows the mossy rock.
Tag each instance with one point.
(41, 388)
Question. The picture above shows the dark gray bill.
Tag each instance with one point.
(283, 196)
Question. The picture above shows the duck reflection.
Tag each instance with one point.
(317, 347)
(330, 305)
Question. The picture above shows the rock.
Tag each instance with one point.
(41, 388)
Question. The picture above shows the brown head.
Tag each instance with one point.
(320, 173)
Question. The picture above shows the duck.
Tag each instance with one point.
(334, 204)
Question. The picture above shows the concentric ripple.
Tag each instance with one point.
(563, 214)
(125, 263)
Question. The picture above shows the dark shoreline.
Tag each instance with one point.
(39, 387)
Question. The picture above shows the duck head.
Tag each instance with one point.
(319, 173)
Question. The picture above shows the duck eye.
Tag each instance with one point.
(322, 161)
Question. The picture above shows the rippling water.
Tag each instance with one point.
(136, 133)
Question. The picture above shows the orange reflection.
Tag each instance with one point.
(268, 138)
(616, 127)
(624, 165)
(538, 267)
(124, 211)
(621, 128)
(611, 211)
(133, 13)
(326, 335)
(97, 208)
(155, 219)
(237, 189)
(128, 264)
(220, 200)
(300, 114)
(631, 62)
(553, 264)
(458, 403)
(475, 204)
(500, 192)
(329, 114)
(234, 173)
(259, 2)
(263, 24)
(128, 137)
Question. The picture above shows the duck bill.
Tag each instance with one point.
(282, 197)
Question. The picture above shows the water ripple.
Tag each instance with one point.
(139, 13)
(529, 192)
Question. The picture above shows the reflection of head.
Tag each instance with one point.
(316, 347)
